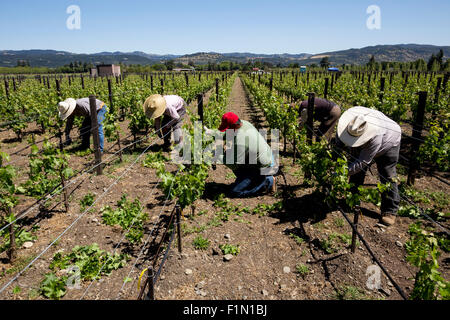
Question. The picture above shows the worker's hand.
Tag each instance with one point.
(209, 132)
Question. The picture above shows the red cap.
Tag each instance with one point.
(228, 120)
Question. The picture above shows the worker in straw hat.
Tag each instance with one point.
(173, 108)
(71, 108)
(326, 112)
(376, 138)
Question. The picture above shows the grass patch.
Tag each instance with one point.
(229, 249)
(230, 176)
(319, 226)
(302, 270)
(350, 293)
(339, 222)
(200, 243)
(297, 239)
(87, 201)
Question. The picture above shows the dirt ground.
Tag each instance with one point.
(271, 245)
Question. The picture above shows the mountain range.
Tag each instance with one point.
(53, 58)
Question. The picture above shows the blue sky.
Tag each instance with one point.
(188, 26)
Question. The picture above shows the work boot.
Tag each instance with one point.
(273, 189)
(388, 219)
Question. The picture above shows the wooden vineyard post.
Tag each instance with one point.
(296, 79)
(355, 223)
(285, 134)
(325, 93)
(271, 84)
(382, 84)
(150, 282)
(162, 86)
(200, 106)
(294, 143)
(82, 82)
(12, 240)
(310, 126)
(417, 137)
(178, 213)
(438, 88)
(94, 128)
(110, 95)
(217, 89)
(186, 77)
(14, 85)
(7, 89)
(151, 82)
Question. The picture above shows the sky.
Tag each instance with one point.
(189, 26)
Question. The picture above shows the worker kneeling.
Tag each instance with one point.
(375, 137)
(249, 156)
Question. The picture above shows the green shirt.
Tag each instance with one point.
(250, 149)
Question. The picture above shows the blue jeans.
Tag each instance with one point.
(250, 182)
(86, 129)
(100, 117)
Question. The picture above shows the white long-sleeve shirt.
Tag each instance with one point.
(388, 136)
(173, 105)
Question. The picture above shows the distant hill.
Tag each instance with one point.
(400, 53)
(53, 58)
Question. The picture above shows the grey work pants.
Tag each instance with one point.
(386, 164)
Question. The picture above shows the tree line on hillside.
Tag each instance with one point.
(435, 63)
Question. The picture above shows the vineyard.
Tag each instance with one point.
(131, 224)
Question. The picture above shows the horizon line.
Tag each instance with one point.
(241, 52)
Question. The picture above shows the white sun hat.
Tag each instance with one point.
(357, 126)
(66, 108)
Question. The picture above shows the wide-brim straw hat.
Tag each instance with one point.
(357, 126)
(66, 108)
(154, 106)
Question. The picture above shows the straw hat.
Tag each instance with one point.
(66, 108)
(357, 126)
(154, 106)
